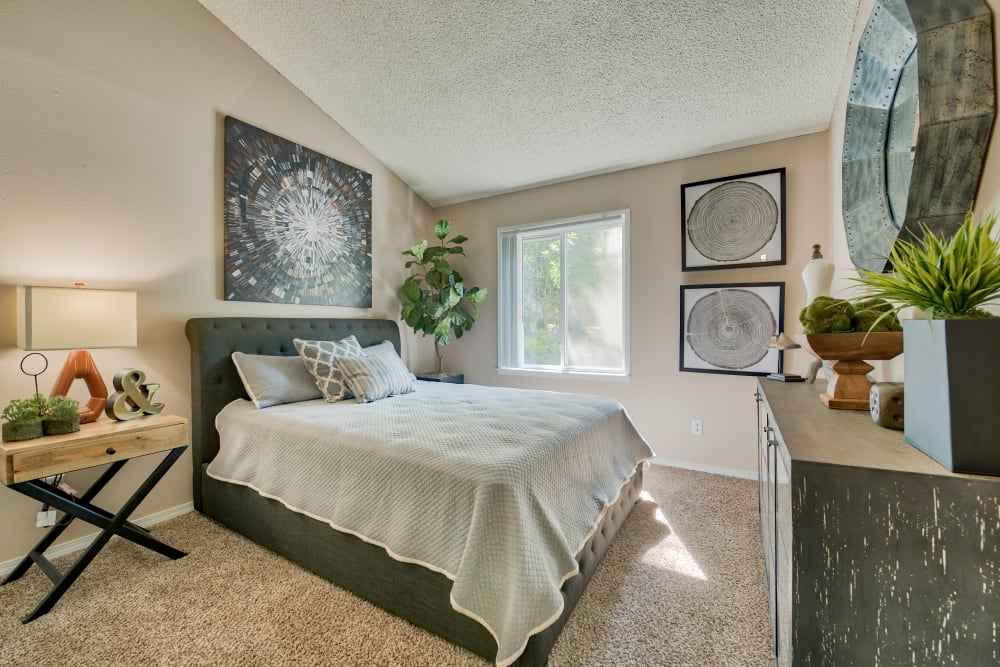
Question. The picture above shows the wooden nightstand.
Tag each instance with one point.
(26, 463)
(454, 378)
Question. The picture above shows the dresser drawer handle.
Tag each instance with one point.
(110, 451)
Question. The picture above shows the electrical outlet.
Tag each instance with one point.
(696, 426)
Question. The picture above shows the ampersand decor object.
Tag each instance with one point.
(132, 396)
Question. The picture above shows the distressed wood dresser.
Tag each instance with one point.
(874, 553)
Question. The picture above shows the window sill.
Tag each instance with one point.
(564, 375)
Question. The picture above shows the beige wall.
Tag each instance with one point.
(111, 168)
(111, 121)
(661, 399)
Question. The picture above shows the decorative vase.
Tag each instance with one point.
(61, 426)
(849, 387)
(817, 276)
(22, 431)
(951, 392)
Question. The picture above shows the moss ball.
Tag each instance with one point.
(827, 315)
(868, 312)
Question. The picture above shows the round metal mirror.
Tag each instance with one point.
(919, 114)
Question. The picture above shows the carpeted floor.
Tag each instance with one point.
(681, 585)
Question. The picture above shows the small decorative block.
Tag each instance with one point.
(886, 404)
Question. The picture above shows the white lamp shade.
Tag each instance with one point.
(57, 318)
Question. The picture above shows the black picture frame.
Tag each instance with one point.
(727, 328)
(297, 224)
(733, 222)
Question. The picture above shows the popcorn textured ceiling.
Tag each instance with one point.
(471, 98)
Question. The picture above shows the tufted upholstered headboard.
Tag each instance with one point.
(215, 382)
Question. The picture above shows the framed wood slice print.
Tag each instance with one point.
(737, 221)
(728, 328)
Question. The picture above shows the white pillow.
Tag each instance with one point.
(375, 376)
(273, 380)
(385, 347)
(320, 358)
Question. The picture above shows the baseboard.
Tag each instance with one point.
(83, 542)
(728, 472)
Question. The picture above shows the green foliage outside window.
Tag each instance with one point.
(589, 264)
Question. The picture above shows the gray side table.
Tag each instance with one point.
(454, 378)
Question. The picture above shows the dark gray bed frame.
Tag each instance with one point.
(405, 589)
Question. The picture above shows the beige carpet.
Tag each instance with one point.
(681, 585)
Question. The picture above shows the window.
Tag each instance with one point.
(563, 296)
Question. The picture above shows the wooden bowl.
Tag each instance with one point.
(849, 389)
(853, 346)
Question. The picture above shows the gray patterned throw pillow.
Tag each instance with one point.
(376, 376)
(320, 358)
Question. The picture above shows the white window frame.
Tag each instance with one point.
(510, 325)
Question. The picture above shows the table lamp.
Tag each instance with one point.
(57, 318)
(783, 342)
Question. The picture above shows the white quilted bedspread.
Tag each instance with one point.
(496, 488)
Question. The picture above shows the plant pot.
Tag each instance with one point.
(951, 385)
(61, 426)
(22, 431)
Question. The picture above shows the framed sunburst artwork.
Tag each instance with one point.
(732, 222)
(297, 224)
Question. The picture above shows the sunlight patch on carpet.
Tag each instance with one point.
(670, 553)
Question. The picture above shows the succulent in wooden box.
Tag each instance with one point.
(22, 418)
(62, 415)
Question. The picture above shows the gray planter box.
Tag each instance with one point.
(952, 392)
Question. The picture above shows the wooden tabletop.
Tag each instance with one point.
(102, 441)
(812, 432)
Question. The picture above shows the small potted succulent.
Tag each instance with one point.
(22, 418)
(950, 363)
(62, 415)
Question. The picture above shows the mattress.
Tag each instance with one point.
(495, 488)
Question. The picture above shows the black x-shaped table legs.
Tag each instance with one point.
(82, 508)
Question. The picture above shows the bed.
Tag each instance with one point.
(411, 590)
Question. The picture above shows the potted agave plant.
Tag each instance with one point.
(22, 418)
(951, 361)
(62, 415)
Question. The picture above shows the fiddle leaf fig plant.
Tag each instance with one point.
(947, 278)
(435, 300)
